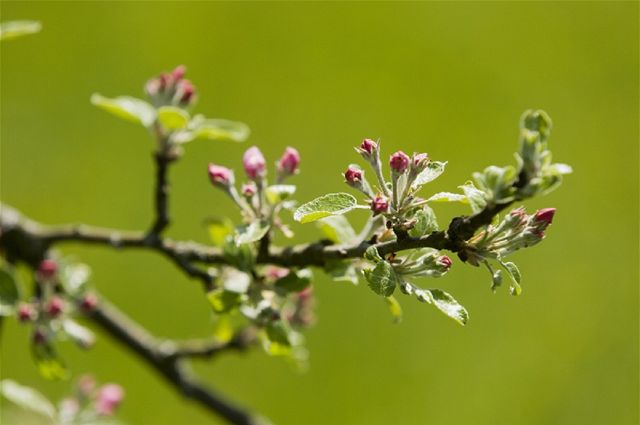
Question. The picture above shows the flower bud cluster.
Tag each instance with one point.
(252, 202)
(517, 230)
(171, 88)
(430, 263)
(89, 400)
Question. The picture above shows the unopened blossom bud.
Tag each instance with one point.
(368, 146)
(220, 176)
(419, 162)
(399, 162)
(86, 386)
(109, 398)
(55, 306)
(353, 176)
(249, 189)
(26, 313)
(289, 162)
(274, 272)
(379, 205)
(89, 303)
(47, 269)
(254, 163)
(186, 92)
(444, 261)
(545, 216)
(179, 73)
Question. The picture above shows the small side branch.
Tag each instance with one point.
(162, 220)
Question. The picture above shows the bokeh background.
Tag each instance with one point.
(450, 79)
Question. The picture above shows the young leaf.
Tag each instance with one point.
(13, 29)
(223, 301)
(219, 228)
(126, 107)
(372, 255)
(277, 341)
(432, 172)
(280, 192)
(253, 232)
(324, 206)
(81, 335)
(449, 306)
(173, 118)
(382, 279)
(27, 398)
(9, 294)
(337, 229)
(295, 281)
(74, 277)
(514, 273)
(394, 308)
(447, 197)
(217, 129)
(475, 197)
(425, 223)
(48, 362)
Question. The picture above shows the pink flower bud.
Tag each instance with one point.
(249, 189)
(274, 273)
(26, 313)
(186, 92)
(254, 163)
(289, 161)
(86, 385)
(419, 162)
(179, 73)
(379, 205)
(545, 216)
(399, 162)
(89, 303)
(368, 146)
(109, 398)
(55, 306)
(353, 176)
(445, 261)
(47, 269)
(152, 88)
(164, 79)
(220, 176)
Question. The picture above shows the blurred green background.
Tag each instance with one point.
(450, 79)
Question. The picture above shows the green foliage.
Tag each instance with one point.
(426, 222)
(432, 172)
(324, 206)
(394, 308)
(173, 118)
(382, 278)
(253, 232)
(337, 229)
(27, 398)
(48, 362)
(126, 107)
(13, 29)
(9, 294)
(295, 281)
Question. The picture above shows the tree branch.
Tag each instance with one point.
(162, 159)
(168, 359)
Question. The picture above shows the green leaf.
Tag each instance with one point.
(372, 255)
(394, 308)
(447, 197)
(74, 277)
(126, 107)
(217, 129)
(278, 341)
(449, 306)
(382, 279)
(537, 121)
(295, 281)
(9, 294)
(223, 329)
(279, 192)
(432, 172)
(223, 301)
(341, 271)
(219, 228)
(239, 256)
(425, 223)
(49, 364)
(27, 398)
(13, 29)
(81, 335)
(173, 118)
(253, 232)
(337, 229)
(324, 206)
(475, 197)
(514, 273)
